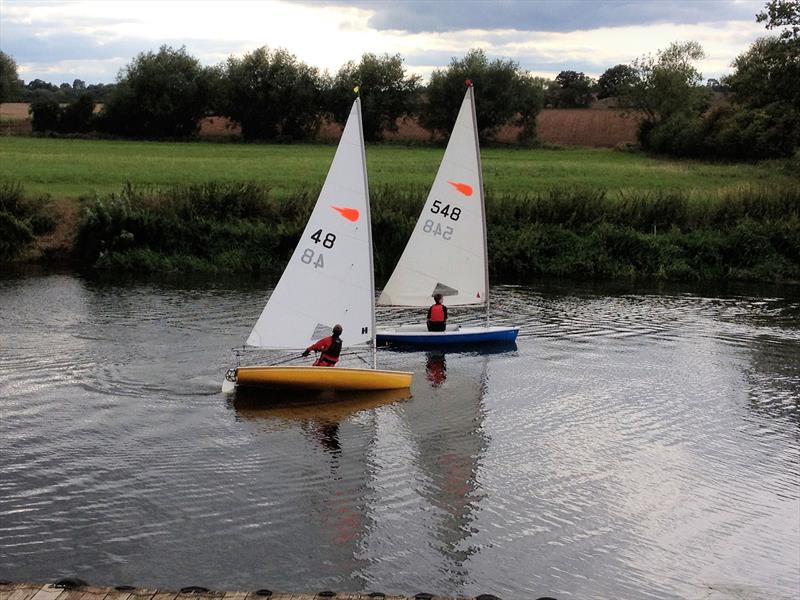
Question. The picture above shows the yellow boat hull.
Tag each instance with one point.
(322, 378)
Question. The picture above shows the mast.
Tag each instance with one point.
(373, 339)
(471, 91)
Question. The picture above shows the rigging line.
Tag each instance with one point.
(289, 359)
(300, 356)
(364, 360)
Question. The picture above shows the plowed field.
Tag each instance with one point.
(601, 128)
(598, 128)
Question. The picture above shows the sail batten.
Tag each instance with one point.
(448, 243)
(329, 277)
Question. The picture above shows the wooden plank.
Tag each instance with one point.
(92, 592)
(76, 594)
(118, 594)
(275, 596)
(18, 591)
(47, 592)
(210, 595)
(29, 591)
(143, 594)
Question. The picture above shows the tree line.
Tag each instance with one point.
(273, 96)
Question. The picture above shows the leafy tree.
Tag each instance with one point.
(387, 93)
(505, 94)
(768, 72)
(159, 94)
(39, 84)
(8, 77)
(615, 81)
(782, 13)
(101, 91)
(668, 84)
(667, 90)
(570, 90)
(764, 120)
(272, 95)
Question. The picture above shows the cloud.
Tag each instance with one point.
(94, 40)
(547, 53)
(418, 16)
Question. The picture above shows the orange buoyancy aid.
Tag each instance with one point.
(437, 313)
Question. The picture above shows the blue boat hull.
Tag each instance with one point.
(459, 337)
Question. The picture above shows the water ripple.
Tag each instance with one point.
(633, 444)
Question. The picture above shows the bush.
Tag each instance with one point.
(45, 115)
(740, 133)
(678, 135)
(208, 227)
(78, 116)
(745, 233)
(21, 219)
(15, 235)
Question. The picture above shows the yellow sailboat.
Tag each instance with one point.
(329, 280)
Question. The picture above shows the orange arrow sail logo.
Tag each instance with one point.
(464, 188)
(351, 214)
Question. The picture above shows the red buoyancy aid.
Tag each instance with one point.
(331, 348)
(437, 313)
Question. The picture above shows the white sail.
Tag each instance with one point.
(446, 252)
(329, 278)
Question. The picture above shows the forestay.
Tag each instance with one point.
(329, 278)
(446, 252)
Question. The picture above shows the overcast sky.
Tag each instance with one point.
(92, 40)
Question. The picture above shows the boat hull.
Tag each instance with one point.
(321, 378)
(418, 335)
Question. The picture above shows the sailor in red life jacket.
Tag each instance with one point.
(437, 315)
(330, 347)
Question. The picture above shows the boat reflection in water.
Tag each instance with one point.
(435, 368)
(377, 452)
(327, 406)
(436, 361)
(334, 434)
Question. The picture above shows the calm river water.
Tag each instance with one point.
(633, 444)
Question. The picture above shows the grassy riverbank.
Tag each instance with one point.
(552, 212)
(752, 233)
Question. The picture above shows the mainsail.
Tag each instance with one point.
(329, 278)
(446, 252)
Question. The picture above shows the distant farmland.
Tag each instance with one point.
(596, 127)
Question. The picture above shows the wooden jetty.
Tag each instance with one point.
(71, 589)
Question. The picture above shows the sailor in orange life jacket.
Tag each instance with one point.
(330, 347)
(437, 315)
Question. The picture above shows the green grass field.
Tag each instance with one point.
(70, 168)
